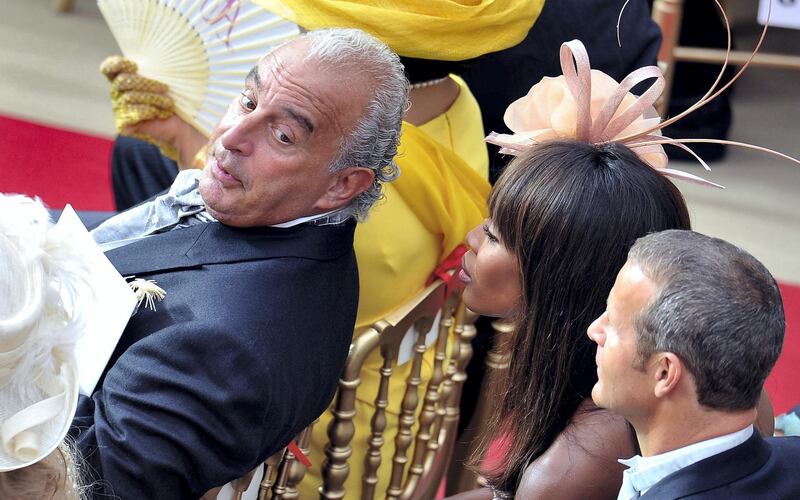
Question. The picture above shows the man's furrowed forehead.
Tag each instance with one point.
(293, 50)
(317, 93)
(262, 71)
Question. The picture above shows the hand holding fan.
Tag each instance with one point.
(202, 49)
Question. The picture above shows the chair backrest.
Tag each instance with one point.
(461, 477)
(668, 14)
(416, 471)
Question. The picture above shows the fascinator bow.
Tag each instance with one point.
(588, 105)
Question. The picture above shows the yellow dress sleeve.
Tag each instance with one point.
(430, 208)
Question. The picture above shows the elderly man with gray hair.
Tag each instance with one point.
(255, 256)
(692, 329)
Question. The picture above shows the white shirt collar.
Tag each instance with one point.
(301, 220)
(644, 472)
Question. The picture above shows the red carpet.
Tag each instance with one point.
(63, 167)
(57, 165)
(783, 384)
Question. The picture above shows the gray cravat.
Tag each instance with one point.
(181, 206)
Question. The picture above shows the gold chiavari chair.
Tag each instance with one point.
(427, 424)
(460, 477)
(420, 458)
(275, 479)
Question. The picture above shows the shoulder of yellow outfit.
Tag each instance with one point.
(448, 196)
(461, 128)
(445, 30)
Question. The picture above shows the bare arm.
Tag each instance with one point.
(481, 494)
(582, 461)
(175, 133)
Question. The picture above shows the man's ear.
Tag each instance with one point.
(345, 185)
(668, 370)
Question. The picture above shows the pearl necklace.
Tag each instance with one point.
(428, 83)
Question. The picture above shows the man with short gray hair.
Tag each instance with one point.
(692, 329)
(255, 254)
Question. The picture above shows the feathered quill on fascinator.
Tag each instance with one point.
(588, 105)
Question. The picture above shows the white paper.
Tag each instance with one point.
(251, 493)
(406, 349)
(785, 13)
(109, 310)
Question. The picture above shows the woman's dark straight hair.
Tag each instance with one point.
(569, 212)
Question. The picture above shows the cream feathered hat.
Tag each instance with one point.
(42, 280)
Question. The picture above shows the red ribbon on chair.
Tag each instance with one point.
(298, 453)
(451, 263)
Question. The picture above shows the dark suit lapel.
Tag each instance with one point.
(157, 252)
(215, 243)
(714, 471)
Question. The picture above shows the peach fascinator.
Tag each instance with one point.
(588, 105)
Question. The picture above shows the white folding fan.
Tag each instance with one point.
(202, 49)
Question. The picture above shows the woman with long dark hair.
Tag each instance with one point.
(562, 218)
(590, 178)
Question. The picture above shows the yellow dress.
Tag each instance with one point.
(427, 212)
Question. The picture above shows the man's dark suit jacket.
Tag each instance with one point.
(244, 351)
(756, 469)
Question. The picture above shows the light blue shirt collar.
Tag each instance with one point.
(644, 472)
